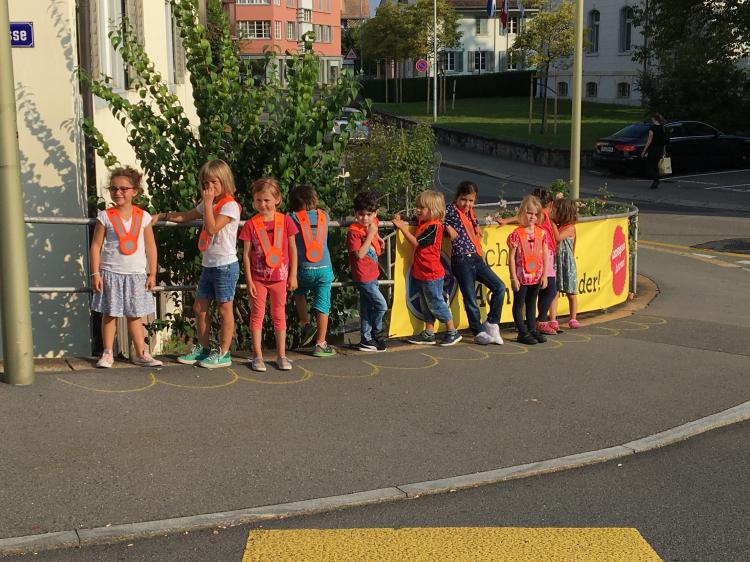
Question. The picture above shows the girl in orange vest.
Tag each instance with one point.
(123, 266)
(527, 268)
(270, 258)
(427, 271)
(314, 269)
(217, 242)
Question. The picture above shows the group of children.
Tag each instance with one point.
(284, 253)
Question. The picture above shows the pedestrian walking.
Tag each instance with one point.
(655, 149)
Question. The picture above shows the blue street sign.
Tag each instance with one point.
(21, 34)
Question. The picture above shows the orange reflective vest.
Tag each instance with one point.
(471, 229)
(532, 249)
(376, 242)
(271, 251)
(204, 239)
(128, 239)
(421, 227)
(313, 246)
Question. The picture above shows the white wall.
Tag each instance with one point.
(50, 140)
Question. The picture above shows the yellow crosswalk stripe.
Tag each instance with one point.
(456, 544)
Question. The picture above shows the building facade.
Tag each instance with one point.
(51, 103)
(279, 26)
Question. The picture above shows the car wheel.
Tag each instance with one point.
(742, 159)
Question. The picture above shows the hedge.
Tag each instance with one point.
(491, 85)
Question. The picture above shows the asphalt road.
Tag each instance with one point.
(690, 502)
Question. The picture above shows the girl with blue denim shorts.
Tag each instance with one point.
(221, 270)
(314, 268)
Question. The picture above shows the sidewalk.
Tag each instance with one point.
(91, 448)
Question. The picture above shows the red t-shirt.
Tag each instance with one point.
(365, 269)
(427, 265)
(260, 269)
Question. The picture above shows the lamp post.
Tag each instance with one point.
(434, 61)
(18, 349)
(575, 123)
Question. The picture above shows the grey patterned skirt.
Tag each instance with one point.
(124, 294)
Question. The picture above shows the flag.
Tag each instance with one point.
(504, 14)
(491, 8)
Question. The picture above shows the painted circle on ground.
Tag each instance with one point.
(618, 261)
(450, 286)
(421, 65)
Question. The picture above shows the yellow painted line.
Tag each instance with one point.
(152, 377)
(690, 248)
(457, 544)
(234, 378)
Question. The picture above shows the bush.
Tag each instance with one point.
(498, 84)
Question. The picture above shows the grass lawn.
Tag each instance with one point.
(508, 118)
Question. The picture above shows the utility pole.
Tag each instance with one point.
(434, 61)
(18, 347)
(575, 122)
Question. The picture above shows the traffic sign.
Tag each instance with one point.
(21, 34)
(351, 55)
(422, 65)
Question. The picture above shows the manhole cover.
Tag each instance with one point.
(736, 245)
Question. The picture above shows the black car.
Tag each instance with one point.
(692, 146)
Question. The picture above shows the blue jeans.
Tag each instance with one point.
(468, 269)
(431, 299)
(219, 283)
(372, 308)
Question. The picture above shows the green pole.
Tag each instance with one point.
(18, 348)
(575, 124)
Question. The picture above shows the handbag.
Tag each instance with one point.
(665, 165)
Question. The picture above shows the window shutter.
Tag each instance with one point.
(459, 61)
(180, 69)
(491, 62)
(96, 37)
(134, 15)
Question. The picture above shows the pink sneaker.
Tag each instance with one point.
(545, 328)
(106, 360)
(555, 326)
(573, 323)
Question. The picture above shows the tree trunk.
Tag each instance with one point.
(544, 99)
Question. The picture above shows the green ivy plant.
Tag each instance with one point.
(268, 129)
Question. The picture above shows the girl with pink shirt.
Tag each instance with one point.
(270, 259)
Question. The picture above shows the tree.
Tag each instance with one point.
(693, 56)
(259, 130)
(548, 41)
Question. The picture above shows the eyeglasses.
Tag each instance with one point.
(115, 189)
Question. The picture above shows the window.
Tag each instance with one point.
(175, 50)
(254, 2)
(592, 89)
(513, 22)
(482, 60)
(594, 17)
(676, 131)
(327, 34)
(277, 29)
(623, 90)
(480, 26)
(448, 61)
(562, 89)
(290, 3)
(291, 31)
(698, 129)
(307, 15)
(110, 61)
(626, 29)
(277, 2)
(511, 62)
(255, 29)
(328, 7)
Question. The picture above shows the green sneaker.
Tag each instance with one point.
(198, 353)
(308, 334)
(323, 350)
(216, 359)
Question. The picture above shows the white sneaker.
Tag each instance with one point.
(482, 338)
(146, 360)
(106, 360)
(494, 331)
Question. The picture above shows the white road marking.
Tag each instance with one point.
(711, 174)
(707, 256)
(744, 262)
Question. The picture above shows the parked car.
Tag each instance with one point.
(362, 126)
(692, 146)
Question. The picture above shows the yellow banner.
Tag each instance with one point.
(601, 254)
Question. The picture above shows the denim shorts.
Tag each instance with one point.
(316, 280)
(219, 283)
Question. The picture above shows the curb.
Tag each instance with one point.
(146, 529)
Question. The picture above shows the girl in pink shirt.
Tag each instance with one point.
(270, 259)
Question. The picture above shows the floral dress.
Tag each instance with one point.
(565, 262)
